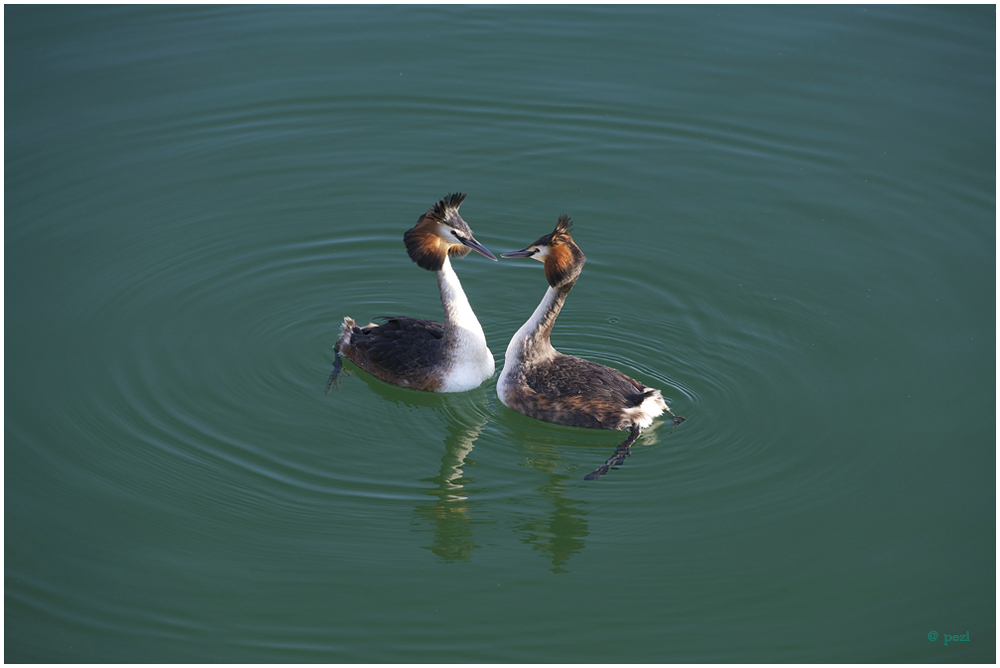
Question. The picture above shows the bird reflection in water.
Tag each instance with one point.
(559, 535)
(450, 512)
(549, 521)
(559, 532)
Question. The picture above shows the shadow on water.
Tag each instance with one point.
(557, 531)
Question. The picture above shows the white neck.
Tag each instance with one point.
(470, 361)
(457, 310)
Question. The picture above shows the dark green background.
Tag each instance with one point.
(789, 218)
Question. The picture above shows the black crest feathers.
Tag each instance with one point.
(558, 235)
(564, 225)
(446, 206)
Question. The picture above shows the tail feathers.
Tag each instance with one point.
(639, 397)
(644, 407)
(346, 329)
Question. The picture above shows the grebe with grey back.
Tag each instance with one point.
(423, 354)
(540, 382)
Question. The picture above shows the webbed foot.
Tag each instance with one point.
(334, 380)
(624, 450)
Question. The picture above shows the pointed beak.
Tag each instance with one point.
(524, 252)
(478, 247)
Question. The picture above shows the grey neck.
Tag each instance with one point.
(532, 339)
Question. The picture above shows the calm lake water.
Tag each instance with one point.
(789, 219)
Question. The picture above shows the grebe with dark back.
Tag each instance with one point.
(540, 382)
(423, 354)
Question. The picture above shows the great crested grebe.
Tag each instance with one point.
(424, 354)
(540, 382)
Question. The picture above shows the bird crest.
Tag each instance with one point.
(446, 210)
(563, 226)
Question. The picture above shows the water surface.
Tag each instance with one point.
(789, 219)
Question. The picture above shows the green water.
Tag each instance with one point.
(789, 219)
